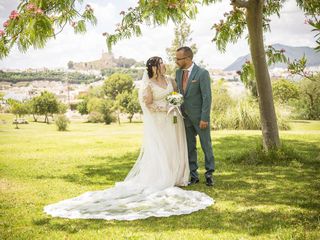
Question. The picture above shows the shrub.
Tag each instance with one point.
(107, 111)
(95, 117)
(62, 122)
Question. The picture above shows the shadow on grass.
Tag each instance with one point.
(250, 199)
(113, 169)
(251, 221)
(230, 150)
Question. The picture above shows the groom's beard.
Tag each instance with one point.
(179, 65)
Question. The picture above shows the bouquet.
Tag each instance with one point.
(174, 100)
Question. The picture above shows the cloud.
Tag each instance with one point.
(290, 28)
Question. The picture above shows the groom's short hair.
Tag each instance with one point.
(188, 52)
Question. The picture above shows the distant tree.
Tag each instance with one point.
(100, 110)
(309, 98)
(129, 103)
(45, 104)
(115, 85)
(182, 32)
(222, 99)
(96, 92)
(284, 90)
(33, 108)
(107, 111)
(18, 108)
(62, 108)
(308, 104)
(93, 92)
(83, 106)
(94, 104)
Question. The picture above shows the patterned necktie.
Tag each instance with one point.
(185, 77)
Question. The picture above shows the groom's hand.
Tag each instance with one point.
(203, 124)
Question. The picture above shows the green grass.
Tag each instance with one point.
(39, 166)
(304, 125)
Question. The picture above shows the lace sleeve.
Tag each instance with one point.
(148, 100)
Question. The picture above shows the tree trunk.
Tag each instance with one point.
(311, 107)
(267, 112)
(34, 117)
(46, 119)
(17, 122)
(118, 116)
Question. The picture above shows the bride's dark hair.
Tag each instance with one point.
(153, 62)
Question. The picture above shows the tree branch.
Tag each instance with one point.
(55, 34)
(240, 3)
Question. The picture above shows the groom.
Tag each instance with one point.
(195, 85)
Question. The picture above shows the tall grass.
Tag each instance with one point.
(244, 115)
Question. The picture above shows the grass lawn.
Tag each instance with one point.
(39, 166)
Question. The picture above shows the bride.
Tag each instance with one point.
(152, 186)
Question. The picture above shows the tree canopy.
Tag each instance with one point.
(34, 22)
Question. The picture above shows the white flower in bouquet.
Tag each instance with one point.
(174, 100)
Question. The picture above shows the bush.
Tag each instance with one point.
(107, 111)
(62, 122)
(308, 104)
(95, 117)
(221, 99)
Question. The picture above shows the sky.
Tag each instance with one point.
(290, 29)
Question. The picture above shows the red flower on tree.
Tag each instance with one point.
(14, 15)
(6, 23)
(39, 11)
(31, 6)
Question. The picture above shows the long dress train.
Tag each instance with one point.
(151, 187)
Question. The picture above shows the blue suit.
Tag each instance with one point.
(196, 107)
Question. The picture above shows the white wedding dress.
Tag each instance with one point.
(151, 187)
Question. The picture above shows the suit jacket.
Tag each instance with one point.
(197, 97)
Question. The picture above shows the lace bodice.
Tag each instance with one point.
(158, 95)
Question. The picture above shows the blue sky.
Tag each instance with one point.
(289, 29)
